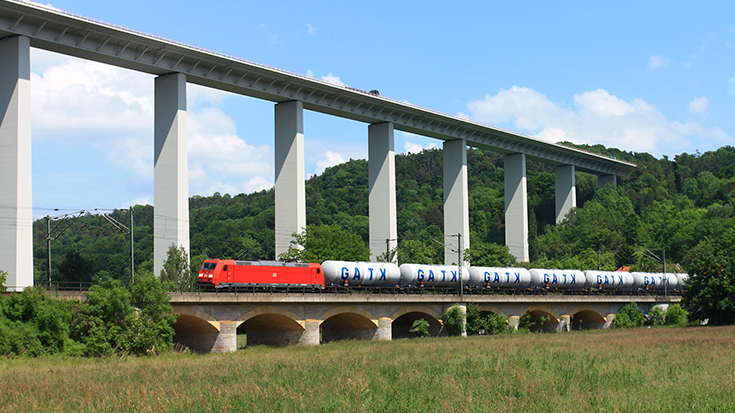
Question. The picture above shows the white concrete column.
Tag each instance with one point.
(16, 214)
(609, 320)
(226, 341)
(290, 186)
(382, 190)
(456, 197)
(603, 180)
(516, 206)
(171, 174)
(566, 191)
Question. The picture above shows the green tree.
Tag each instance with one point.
(710, 290)
(420, 327)
(74, 267)
(483, 254)
(677, 316)
(629, 317)
(155, 315)
(319, 243)
(3, 280)
(176, 273)
(453, 319)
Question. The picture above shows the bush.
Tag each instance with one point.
(453, 319)
(657, 316)
(629, 317)
(490, 324)
(420, 327)
(525, 323)
(676, 315)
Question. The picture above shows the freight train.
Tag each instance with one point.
(221, 275)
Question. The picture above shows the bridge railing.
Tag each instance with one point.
(65, 285)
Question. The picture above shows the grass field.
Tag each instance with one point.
(642, 370)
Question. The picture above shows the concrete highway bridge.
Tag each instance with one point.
(208, 322)
(25, 25)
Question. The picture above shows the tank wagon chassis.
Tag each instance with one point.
(344, 277)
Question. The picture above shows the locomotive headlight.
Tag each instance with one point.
(210, 275)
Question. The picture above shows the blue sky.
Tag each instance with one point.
(655, 77)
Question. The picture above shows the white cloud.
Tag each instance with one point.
(310, 29)
(732, 80)
(85, 101)
(330, 159)
(699, 105)
(597, 117)
(657, 61)
(332, 79)
(310, 73)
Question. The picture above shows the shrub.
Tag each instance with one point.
(629, 316)
(676, 315)
(453, 319)
(657, 316)
(420, 327)
(524, 323)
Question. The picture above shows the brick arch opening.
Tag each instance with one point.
(195, 329)
(543, 319)
(348, 324)
(403, 323)
(587, 319)
(271, 326)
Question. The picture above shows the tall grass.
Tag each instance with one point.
(636, 370)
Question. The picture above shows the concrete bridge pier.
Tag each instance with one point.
(565, 324)
(16, 233)
(516, 206)
(382, 190)
(456, 196)
(171, 170)
(566, 191)
(289, 162)
(603, 180)
(385, 329)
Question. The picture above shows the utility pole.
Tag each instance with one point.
(665, 280)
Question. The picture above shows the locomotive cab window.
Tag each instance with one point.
(224, 268)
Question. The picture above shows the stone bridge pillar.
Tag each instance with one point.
(565, 324)
(513, 321)
(385, 329)
(609, 320)
(310, 337)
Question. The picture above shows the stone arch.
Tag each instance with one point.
(416, 309)
(196, 329)
(349, 309)
(404, 318)
(538, 311)
(587, 318)
(486, 308)
(272, 326)
(348, 323)
(270, 310)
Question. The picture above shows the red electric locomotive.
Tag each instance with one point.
(231, 273)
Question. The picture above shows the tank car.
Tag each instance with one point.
(498, 277)
(564, 279)
(361, 273)
(609, 280)
(433, 275)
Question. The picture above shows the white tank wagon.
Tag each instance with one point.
(681, 278)
(609, 280)
(361, 273)
(499, 277)
(564, 279)
(655, 281)
(433, 275)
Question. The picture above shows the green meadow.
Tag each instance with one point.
(637, 370)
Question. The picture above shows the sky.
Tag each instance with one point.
(656, 77)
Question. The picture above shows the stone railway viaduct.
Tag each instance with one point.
(208, 322)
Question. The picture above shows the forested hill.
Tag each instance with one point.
(672, 203)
